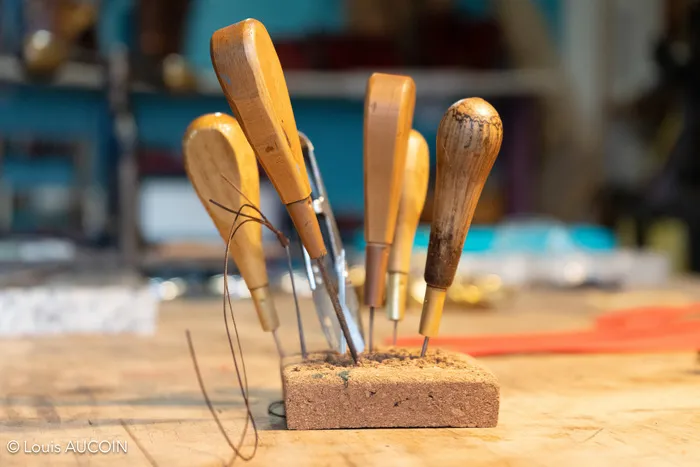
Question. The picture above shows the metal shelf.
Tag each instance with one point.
(71, 74)
(430, 83)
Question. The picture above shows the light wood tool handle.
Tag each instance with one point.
(251, 77)
(413, 193)
(389, 105)
(468, 141)
(214, 146)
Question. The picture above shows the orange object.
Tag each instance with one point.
(636, 330)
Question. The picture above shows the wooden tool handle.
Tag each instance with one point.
(415, 188)
(413, 193)
(252, 80)
(214, 146)
(389, 105)
(468, 140)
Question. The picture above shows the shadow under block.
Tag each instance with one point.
(392, 389)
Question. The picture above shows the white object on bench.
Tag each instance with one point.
(70, 309)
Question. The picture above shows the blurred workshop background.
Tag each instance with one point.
(595, 186)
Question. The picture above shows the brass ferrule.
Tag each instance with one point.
(433, 305)
(376, 263)
(265, 307)
(396, 293)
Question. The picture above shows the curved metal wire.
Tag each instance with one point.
(237, 350)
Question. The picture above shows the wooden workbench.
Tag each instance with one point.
(556, 410)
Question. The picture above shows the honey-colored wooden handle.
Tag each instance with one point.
(389, 105)
(214, 147)
(468, 141)
(413, 193)
(251, 77)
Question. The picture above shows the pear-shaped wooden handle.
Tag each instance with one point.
(389, 105)
(413, 193)
(215, 147)
(251, 77)
(468, 141)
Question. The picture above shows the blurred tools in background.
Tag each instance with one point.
(94, 96)
(498, 261)
(116, 60)
(52, 30)
(655, 206)
(161, 40)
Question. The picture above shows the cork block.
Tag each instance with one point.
(389, 389)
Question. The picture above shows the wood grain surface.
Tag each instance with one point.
(251, 77)
(214, 147)
(389, 105)
(631, 410)
(469, 138)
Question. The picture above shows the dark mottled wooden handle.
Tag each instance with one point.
(468, 140)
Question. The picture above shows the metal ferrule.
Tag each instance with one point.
(376, 263)
(431, 315)
(265, 307)
(396, 294)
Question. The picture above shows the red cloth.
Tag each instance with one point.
(650, 329)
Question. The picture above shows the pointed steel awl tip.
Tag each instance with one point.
(396, 332)
(300, 324)
(333, 293)
(371, 329)
(277, 343)
(425, 346)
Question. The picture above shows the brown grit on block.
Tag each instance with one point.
(391, 389)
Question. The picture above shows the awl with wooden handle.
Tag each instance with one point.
(251, 77)
(389, 104)
(215, 147)
(413, 193)
(468, 141)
